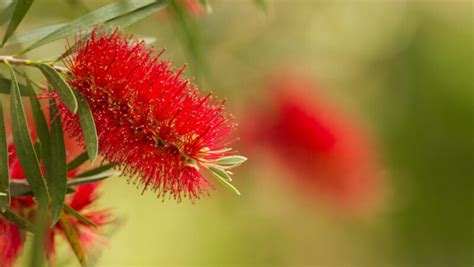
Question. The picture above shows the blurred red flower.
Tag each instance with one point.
(82, 201)
(327, 151)
(11, 242)
(12, 237)
(150, 121)
(194, 7)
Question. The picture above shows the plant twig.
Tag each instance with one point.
(26, 62)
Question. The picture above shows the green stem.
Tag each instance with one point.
(26, 62)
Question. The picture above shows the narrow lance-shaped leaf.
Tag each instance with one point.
(5, 85)
(4, 170)
(22, 188)
(72, 238)
(127, 19)
(41, 125)
(96, 170)
(34, 34)
(78, 161)
(231, 161)
(21, 8)
(17, 220)
(220, 172)
(88, 127)
(60, 85)
(92, 178)
(57, 171)
(37, 146)
(24, 146)
(138, 14)
(97, 16)
(224, 178)
(7, 13)
(78, 216)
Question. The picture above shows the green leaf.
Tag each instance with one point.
(23, 145)
(78, 161)
(78, 216)
(41, 125)
(220, 172)
(231, 161)
(91, 179)
(34, 35)
(60, 85)
(21, 8)
(17, 220)
(100, 15)
(53, 154)
(4, 170)
(57, 176)
(21, 188)
(7, 13)
(138, 14)
(5, 85)
(127, 19)
(97, 170)
(72, 237)
(224, 178)
(40, 230)
(88, 127)
(37, 146)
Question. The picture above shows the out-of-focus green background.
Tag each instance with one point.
(405, 66)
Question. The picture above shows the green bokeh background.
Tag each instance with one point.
(405, 66)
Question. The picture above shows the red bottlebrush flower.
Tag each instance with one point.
(326, 150)
(12, 237)
(11, 243)
(82, 201)
(149, 120)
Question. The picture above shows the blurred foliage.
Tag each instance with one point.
(429, 134)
